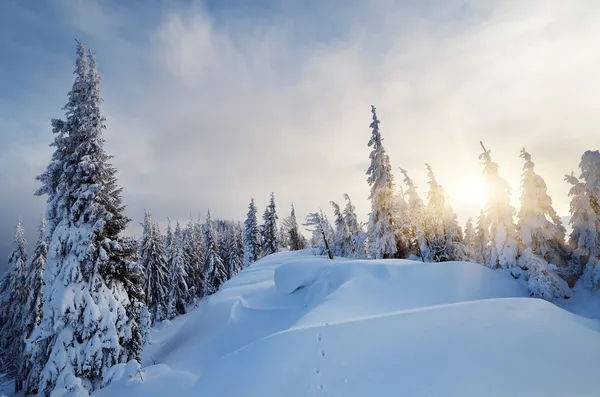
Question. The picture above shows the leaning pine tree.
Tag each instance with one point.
(382, 240)
(86, 324)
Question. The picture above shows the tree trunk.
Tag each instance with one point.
(327, 245)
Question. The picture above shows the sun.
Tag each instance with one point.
(468, 192)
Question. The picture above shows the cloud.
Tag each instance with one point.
(207, 107)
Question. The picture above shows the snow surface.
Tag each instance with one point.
(293, 324)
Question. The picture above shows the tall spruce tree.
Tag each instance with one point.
(382, 241)
(31, 365)
(215, 272)
(270, 243)
(252, 247)
(499, 212)
(156, 269)
(14, 299)
(85, 312)
(178, 288)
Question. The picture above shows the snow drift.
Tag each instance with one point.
(297, 325)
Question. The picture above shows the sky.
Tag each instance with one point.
(210, 103)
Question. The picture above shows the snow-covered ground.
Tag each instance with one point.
(298, 325)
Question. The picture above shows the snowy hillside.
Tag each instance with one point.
(297, 325)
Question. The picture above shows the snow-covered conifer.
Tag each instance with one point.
(234, 254)
(589, 220)
(290, 224)
(322, 232)
(193, 256)
(169, 240)
(215, 272)
(355, 228)
(416, 219)
(470, 240)
(539, 227)
(32, 363)
(270, 243)
(342, 239)
(382, 240)
(12, 313)
(156, 269)
(252, 247)
(85, 313)
(178, 288)
(481, 246)
(499, 212)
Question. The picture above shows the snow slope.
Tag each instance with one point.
(297, 325)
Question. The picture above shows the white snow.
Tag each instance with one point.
(293, 324)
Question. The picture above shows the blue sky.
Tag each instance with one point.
(211, 102)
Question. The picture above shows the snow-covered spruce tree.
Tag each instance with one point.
(590, 176)
(234, 255)
(215, 272)
(538, 225)
(322, 233)
(283, 238)
(85, 319)
(193, 257)
(541, 235)
(382, 240)
(252, 246)
(32, 364)
(178, 288)
(169, 240)
(481, 247)
(470, 240)
(355, 228)
(270, 243)
(499, 212)
(296, 240)
(156, 269)
(434, 225)
(442, 229)
(342, 239)
(199, 251)
(14, 299)
(417, 220)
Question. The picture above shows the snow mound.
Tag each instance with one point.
(294, 324)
